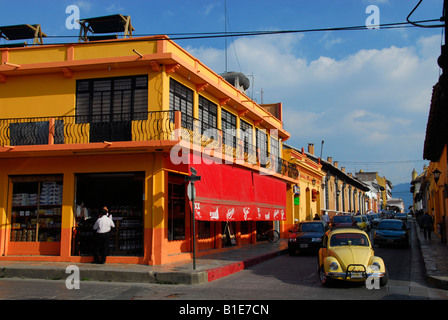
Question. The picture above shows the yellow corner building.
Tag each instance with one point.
(92, 124)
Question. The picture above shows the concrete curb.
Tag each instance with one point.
(109, 273)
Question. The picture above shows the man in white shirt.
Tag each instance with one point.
(325, 217)
(102, 227)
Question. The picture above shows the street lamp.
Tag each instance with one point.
(436, 174)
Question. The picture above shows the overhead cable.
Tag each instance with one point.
(210, 35)
(417, 23)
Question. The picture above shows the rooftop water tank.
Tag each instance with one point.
(237, 79)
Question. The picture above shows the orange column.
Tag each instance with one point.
(4, 221)
(157, 221)
(67, 215)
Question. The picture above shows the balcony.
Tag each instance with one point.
(75, 132)
(227, 145)
(86, 129)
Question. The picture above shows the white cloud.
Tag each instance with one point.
(329, 40)
(209, 8)
(83, 5)
(114, 8)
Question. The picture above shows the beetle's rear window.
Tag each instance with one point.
(349, 239)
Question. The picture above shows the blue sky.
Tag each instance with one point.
(365, 93)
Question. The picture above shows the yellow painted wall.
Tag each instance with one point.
(39, 54)
(38, 95)
(57, 53)
(115, 49)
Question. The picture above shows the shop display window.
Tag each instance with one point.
(36, 208)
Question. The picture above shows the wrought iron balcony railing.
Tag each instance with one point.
(86, 129)
(148, 126)
(228, 144)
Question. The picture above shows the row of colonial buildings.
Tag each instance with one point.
(430, 187)
(122, 123)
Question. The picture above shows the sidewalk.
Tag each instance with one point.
(435, 257)
(208, 268)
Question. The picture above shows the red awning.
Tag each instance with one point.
(230, 193)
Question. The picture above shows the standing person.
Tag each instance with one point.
(102, 227)
(427, 224)
(325, 217)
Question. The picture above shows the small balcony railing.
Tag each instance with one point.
(148, 126)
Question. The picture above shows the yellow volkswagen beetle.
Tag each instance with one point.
(347, 254)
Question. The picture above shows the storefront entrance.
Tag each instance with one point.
(122, 194)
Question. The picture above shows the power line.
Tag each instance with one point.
(211, 35)
(417, 23)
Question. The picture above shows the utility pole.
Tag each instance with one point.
(445, 8)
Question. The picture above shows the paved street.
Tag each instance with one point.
(282, 278)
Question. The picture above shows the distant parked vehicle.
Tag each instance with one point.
(375, 219)
(362, 222)
(391, 232)
(343, 221)
(401, 216)
(306, 236)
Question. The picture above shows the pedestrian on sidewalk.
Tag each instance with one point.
(325, 217)
(427, 224)
(102, 227)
